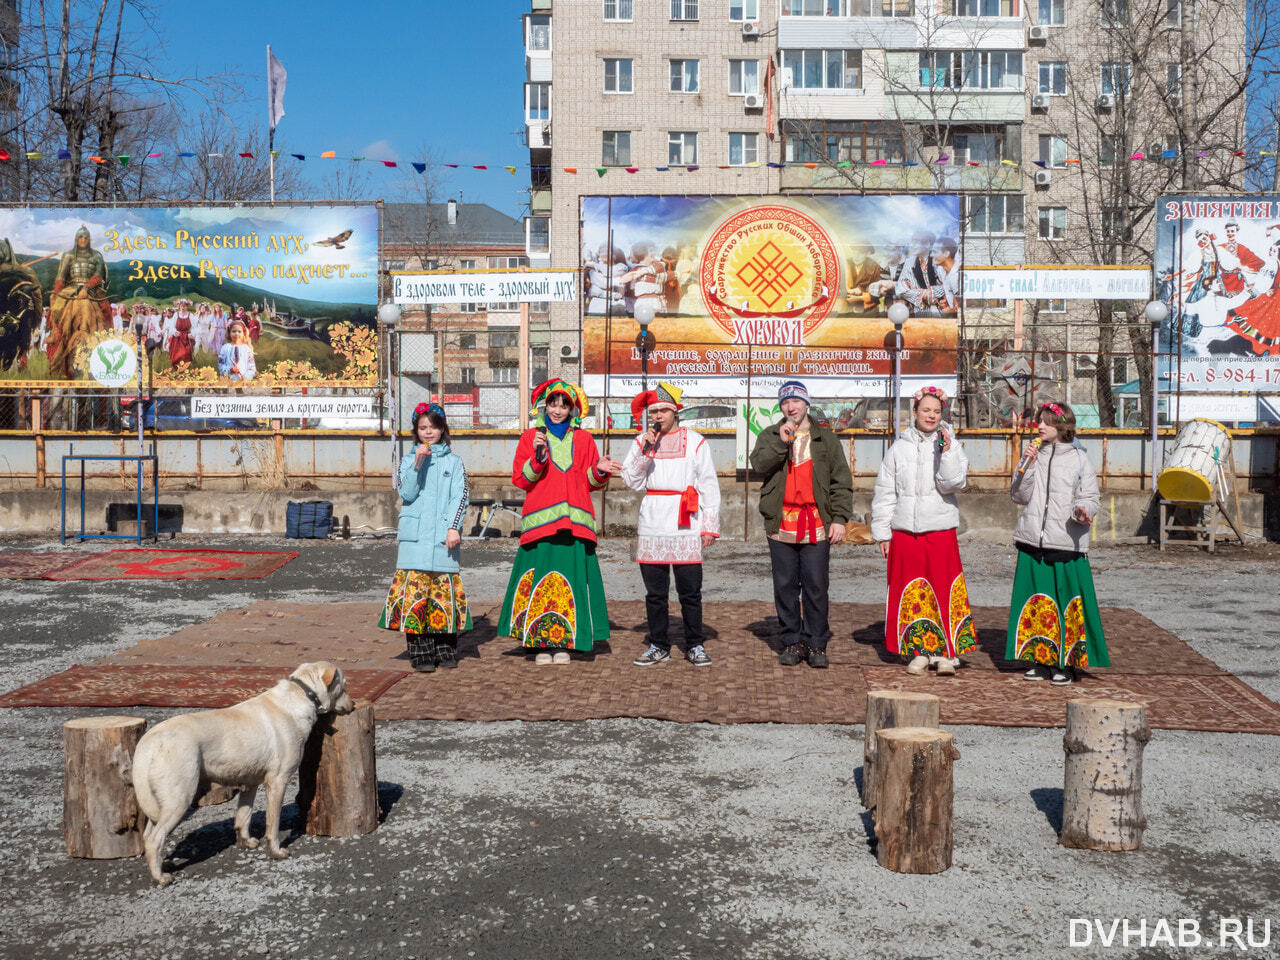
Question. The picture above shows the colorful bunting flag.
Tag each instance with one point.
(570, 169)
(35, 155)
(329, 155)
(510, 170)
(124, 159)
(601, 171)
(1139, 155)
(632, 169)
(64, 154)
(4, 156)
(419, 167)
(388, 163)
(299, 156)
(247, 154)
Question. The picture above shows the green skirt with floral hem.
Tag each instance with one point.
(555, 598)
(420, 601)
(1053, 616)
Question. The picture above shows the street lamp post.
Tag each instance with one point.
(645, 310)
(898, 315)
(1155, 312)
(389, 318)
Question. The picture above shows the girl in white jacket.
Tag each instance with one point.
(1053, 618)
(914, 518)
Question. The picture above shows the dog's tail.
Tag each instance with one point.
(147, 801)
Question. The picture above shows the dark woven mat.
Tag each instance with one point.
(148, 563)
(33, 565)
(142, 685)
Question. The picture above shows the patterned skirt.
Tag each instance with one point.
(927, 613)
(1053, 617)
(555, 598)
(420, 601)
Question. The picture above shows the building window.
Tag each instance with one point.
(684, 9)
(467, 341)
(1115, 13)
(684, 76)
(1173, 81)
(395, 264)
(616, 151)
(467, 375)
(985, 304)
(504, 338)
(539, 364)
(971, 69)
(744, 9)
(468, 307)
(1053, 150)
(1053, 306)
(1053, 13)
(744, 77)
(682, 148)
(984, 144)
(539, 32)
(998, 213)
(811, 8)
(504, 374)
(1173, 13)
(836, 141)
(1053, 223)
(1119, 371)
(986, 8)
(537, 101)
(742, 149)
(1115, 78)
(466, 264)
(876, 8)
(617, 75)
(507, 263)
(617, 9)
(1053, 77)
(504, 306)
(823, 69)
(538, 235)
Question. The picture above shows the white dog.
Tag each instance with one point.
(256, 742)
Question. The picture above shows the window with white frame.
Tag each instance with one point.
(468, 307)
(811, 8)
(466, 264)
(1119, 371)
(1053, 13)
(617, 9)
(1053, 150)
(1173, 81)
(996, 213)
(537, 237)
(985, 303)
(1053, 223)
(616, 149)
(1115, 13)
(539, 32)
(508, 263)
(744, 9)
(1085, 365)
(824, 69)
(985, 8)
(743, 149)
(971, 69)
(617, 75)
(467, 375)
(537, 101)
(878, 8)
(744, 77)
(684, 9)
(1053, 77)
(395, 264)
(504, 338)
(466, 341)
(504, 374)
(1115, 78)
(684, 76)
(1053, 306)
(1173, 13)
(682, 148)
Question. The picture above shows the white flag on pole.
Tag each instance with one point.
(275, 88)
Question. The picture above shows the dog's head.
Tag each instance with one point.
(327, 683)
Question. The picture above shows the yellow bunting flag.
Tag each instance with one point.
(329, 155)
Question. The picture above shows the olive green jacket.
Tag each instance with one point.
(832, 481)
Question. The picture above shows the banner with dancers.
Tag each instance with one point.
(245, 297)
(775, 287)
(1217, 268)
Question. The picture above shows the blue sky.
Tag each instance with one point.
(380, 79)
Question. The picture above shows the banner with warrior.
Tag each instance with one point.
(245, 297)
(783, 287)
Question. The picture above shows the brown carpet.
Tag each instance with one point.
(496, 681)
(150, 563)
(101, 685)
(33, 565)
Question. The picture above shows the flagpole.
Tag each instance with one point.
(271, 131)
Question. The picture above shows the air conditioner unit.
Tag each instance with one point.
(752, 101)
(568, 352)
(1038, 33)
(750, 28)
(1040, 101)
(1043, 178)
(1106, 101)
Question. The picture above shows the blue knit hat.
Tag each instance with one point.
(794, 390)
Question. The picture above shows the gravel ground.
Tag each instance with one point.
(638, 838)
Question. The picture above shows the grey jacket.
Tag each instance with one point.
(1060, 479)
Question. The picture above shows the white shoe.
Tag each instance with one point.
(918, 666)
(1038, 672)
(542, 658)
(947, 666)
(560, 656)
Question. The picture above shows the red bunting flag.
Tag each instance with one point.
(4, 156)
(250, 155)
(388, 163)
(570, 169)
(632, 169)
(478, 166)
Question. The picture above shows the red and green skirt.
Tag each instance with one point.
(555, 598)
(1053, 616)
(420, 601)
(927, 613)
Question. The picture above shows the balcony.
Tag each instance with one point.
(987, 178)
(541, 5)
(537, 134)
(540, 202)
(504, 356)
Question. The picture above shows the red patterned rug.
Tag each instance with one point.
(100, 685)
(33, 565)
(182, 564)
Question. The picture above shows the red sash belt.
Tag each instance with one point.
(688, 502)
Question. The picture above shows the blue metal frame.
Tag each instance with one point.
(138, 460)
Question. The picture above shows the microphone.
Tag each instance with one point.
(541, 455)
(1022, 465)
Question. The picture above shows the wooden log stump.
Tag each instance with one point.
(338, 777)
(100, 816)
(887, 709)
(913, 810)
(1102, 781)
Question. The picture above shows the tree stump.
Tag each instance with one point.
(100, 816)
(887, 709)
(338, 777)
(913, 811)
(1102, 782)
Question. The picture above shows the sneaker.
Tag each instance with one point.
(651, 656)
(947, 666)
(424, 666)
(448, 657)
(542, 658)
(698, 656)
(1038, 672)
(1062, 677)
(560, 656)
(791, 655)
(818, 658)
(918, 666)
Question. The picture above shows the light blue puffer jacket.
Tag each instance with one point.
(434, 499)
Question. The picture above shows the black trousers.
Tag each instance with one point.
(657, 579)
(426, 647)
(802, 575)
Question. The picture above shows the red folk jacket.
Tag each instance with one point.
(559, 489)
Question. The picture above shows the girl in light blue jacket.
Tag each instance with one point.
(426, 601)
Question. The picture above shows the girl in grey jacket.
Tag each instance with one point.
(1053, 618)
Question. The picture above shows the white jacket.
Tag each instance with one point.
(1060, 479)
(917, 484)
